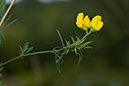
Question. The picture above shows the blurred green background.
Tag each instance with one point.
(107, 64)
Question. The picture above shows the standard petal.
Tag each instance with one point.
(95, 20)
(79, 20)
(80, 17)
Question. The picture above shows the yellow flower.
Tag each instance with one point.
(96, 23)
(83, 23)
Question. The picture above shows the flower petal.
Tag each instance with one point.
(87, 22)
(95, 20)
(100, 24)
(80, 16)
(79, 20)
(97, 23)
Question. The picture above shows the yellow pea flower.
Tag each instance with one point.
(83, 23)
(96, 23)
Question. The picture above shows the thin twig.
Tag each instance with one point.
(7, 12)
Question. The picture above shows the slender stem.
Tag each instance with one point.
(41, 52)
(7, 12)
(87, 33)
(29, 54)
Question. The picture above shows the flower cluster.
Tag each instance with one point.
(84, 22)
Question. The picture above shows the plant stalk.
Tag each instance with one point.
(41, 52)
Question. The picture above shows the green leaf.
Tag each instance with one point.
(5, 22)
(77, 38)
(60, 60)
(73, 39)
(2, 12)
(2, 37)
(87, 47)
(10, 23)
(80, 41)
(58, 67)
(29, 49)
(20, 51)
(2, 27)
(85, 44)
(2, 8)
(61, 39)
(67, 42)
(25, 47)
(80, 57)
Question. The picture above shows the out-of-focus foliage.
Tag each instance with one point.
(2, 7)
(105, 65)
(2, 11)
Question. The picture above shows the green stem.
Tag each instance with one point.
(87, 33)
(29, 54)
(41, 52)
